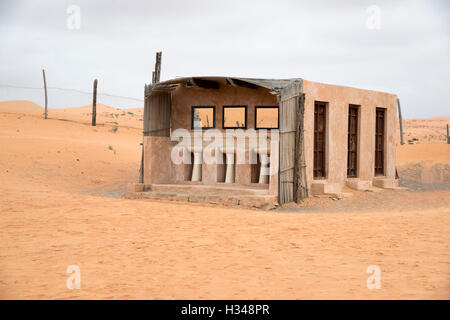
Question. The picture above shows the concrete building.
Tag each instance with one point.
(244, 141)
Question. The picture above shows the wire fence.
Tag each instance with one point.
(65, 97)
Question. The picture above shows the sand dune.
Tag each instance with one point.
(431, 153)
(61, 205)
(21, 107)
(105, 114)
(420, 131)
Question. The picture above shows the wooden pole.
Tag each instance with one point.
(401, 122)
(448, 135)
(156, 76)
(94, 105)
(158, 66)
(45, 92)
(300, 182)
(141, 168)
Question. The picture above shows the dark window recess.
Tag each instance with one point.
(203, 117)
(319, 139)
(379, 142)
(352, 153)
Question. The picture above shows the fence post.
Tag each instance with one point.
(157, 73)
(141, 169)
(401, 122)
(94, 105)
(45, 92)
(448, 135)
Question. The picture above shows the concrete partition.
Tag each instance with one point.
(158, 167)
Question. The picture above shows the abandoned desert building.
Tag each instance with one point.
(311, 138)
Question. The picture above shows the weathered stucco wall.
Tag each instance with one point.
(157, 165)
(159, 168)
(338, 99)
(184, 98)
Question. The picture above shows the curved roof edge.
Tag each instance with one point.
(271, 84)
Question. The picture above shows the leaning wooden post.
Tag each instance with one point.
(300, 182)
(94, 105)
(401, 122)
(157, 72)
(448, 135)
(141, 168)
(45, 92)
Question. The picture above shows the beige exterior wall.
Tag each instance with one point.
(183, 98)
(157, 165)
(338, 99)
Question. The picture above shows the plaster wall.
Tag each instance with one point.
(184, 98)
(158, 168)
(338, 99)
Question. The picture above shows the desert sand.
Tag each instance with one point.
(431, 130)
(62, 204)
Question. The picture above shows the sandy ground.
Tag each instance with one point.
(61, 204)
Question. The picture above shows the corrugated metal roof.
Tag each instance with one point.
(271, 84)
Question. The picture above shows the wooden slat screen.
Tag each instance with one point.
(289, 102)
(157, 114)
(352, 151)
(287, 147)
(319, 139)
(379, 141)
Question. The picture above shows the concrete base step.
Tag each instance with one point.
(358, 184)
(385, 183)
(248, 201)
(319, 187)
(216, 189)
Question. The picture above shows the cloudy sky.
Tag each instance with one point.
(402, 47)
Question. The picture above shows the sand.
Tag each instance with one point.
(431, 130)
(430, 153)
(61, 204)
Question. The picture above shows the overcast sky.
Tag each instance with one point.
(338, 42)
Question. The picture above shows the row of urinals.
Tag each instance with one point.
(229, 152)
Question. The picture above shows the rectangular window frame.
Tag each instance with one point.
(382, 172)
(315, 150)
(267, 107)
(203, 107)
(349, 136)
(230, 107)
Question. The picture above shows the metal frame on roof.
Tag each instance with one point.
(274, 85)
